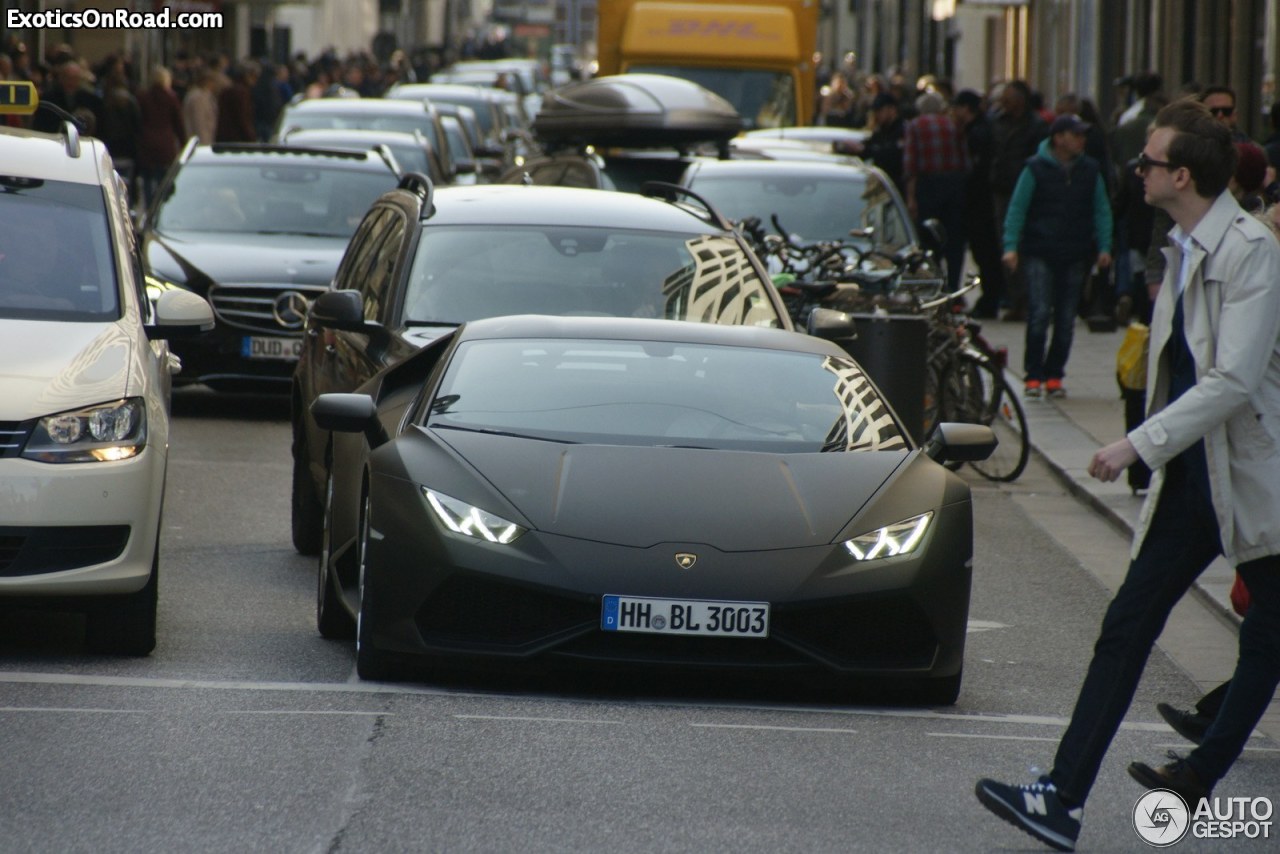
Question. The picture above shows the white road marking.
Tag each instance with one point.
(303, 712)
(31, 678)
(976, 626)
(778, 728)
(997, 737)
(73, 710)
(534, 720)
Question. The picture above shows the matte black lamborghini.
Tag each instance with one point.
(618, 491)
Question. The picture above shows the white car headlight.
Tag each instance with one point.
(900, 538)
(101, 433)
(462, 518)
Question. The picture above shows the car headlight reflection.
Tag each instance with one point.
(900, 538)
(101, 433)
(462, 518)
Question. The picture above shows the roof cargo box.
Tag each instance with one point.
(635, 111)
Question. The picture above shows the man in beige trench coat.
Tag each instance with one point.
(1212, 437)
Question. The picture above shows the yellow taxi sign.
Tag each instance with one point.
(18, 97)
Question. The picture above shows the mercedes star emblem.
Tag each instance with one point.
(290, 309)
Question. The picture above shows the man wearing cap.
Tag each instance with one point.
(1057, 227)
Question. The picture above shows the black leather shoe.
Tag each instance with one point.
(1190, 725)
(1177, 777)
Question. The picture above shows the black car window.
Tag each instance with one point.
(56, 258)
(360, 253)
(764, 99)
(382, 266)
(402, 123)
(566, 173)
(813, 207)
(462, 273)
(663, 393)
(270, 198)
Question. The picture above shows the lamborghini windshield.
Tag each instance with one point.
(662, 394)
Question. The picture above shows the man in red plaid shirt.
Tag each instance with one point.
(935, 163)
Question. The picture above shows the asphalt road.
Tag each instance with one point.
(245, 731)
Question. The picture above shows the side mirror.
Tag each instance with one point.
(349, 413)
(831, 324)
(465, 166)
(339, 310)
(180, 314)
(961, 443)
(344, 413)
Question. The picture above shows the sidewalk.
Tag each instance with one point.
(1065, 433)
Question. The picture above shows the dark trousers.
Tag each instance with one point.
(984, 243)
(941, 196)
(1053, 295)
(1182, 541)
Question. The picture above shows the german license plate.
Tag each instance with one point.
(685, 617)
(262, 347)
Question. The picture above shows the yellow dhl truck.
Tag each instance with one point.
(757, 54)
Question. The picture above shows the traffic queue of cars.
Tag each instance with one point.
(531, 425)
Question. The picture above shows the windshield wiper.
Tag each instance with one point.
(492, 432)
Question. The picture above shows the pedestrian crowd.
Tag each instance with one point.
(144, 116)
(1001, 172)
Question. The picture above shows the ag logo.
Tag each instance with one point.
(1161, 818)
(684, 560)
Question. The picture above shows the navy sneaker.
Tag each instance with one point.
(1035, 808)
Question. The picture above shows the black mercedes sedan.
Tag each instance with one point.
(534, 490)
(258, 231)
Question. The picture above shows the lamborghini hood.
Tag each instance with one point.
(641, 496)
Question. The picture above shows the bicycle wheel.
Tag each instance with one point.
(1002, 412)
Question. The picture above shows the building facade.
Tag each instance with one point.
(1061, 46)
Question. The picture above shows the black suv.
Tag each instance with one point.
(424, 261)
(257, 230)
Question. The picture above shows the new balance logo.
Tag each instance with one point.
(1034, 804)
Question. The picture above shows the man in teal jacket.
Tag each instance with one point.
(1058, 226)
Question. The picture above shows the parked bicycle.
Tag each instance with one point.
(964, 381)
(964, 374)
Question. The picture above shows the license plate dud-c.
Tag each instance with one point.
(263, 347)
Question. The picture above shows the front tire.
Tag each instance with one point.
(306, 511)
(370, 662)
(332, 618)
(126, 625)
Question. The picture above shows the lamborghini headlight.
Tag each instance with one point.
(900, 538)
(462, 518)
(101, 433)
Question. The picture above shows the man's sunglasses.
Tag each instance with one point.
(1222, 111)
(1145, 163)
